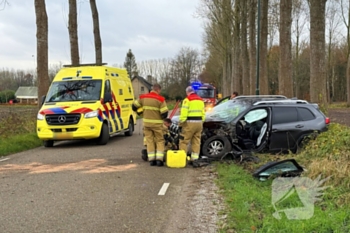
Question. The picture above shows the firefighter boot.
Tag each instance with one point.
(160, 163)
(144, 155)
(153, 163)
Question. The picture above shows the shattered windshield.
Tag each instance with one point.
(76, 90)
(227, 111)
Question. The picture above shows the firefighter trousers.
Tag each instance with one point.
(191, 133)
(154, 141)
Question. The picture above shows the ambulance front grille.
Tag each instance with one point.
(62, 119)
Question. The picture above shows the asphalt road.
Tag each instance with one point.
(77, 186)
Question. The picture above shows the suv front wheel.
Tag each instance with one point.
(216, 147)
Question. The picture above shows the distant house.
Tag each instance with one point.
(140, 85)
(27, 95)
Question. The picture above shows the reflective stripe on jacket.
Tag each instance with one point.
(153, 105)
(192, 108)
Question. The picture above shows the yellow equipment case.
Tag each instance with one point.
(176, 158)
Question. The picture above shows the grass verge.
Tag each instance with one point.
(18, 143)
(249, 202)
(17, 130)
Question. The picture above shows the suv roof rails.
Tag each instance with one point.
(261, 96)
(89, 64)
(286, 101)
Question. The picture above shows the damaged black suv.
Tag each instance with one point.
(260, 124)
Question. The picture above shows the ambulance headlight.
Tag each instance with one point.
(91, 114)
(40, 117)
(209, 109)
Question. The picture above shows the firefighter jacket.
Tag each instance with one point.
(154, 108)
(192, 108)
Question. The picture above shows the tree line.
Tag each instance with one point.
(174, 74)
(290, 47)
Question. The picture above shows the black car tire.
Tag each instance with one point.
(104, 135)
(130, 129)
(221, 143)
(303, 141)
(48, 143)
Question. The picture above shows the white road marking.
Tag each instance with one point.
(164, 188)
(1, 160)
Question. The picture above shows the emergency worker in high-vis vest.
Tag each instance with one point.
(192, 116)
(154, 111)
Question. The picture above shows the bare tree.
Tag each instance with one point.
(73, 32)
(263, 83)
(299, 17)
(244, 46)
(42, 48)
(185, 68)
(219, 37)
(252, 45)
(346, 20)
(332, 24)
(237, 50)
(97, 36)
(285, 80)
(3, 4)
(318, 91)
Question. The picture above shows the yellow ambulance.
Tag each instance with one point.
(87, 102)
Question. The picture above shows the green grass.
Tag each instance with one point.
(250, 209)
(18, 143)
(17, 131)
(248, 200)
(338, 105)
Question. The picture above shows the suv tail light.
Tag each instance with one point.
(328, 121)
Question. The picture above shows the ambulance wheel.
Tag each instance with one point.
(48, 143)
(104, 135)
(130, 129)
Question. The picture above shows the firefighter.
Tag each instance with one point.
(154, 111)
(170, 140)
(192, 117)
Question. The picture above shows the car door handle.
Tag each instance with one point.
(299, 126)
(274, 130)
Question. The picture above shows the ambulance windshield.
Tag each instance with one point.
(206, 93)
(75, 90)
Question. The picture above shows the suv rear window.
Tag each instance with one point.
(284, 115)
(305, 114)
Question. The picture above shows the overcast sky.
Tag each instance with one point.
(152, 29)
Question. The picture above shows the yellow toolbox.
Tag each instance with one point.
(176, 158)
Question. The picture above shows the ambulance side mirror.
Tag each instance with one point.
(43, 100)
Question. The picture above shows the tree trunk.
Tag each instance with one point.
(264, 88)
(42, 48)
(285, 81)
(348, 81)
(252, 46)
(97, 36)
(236, 51)
(73, 32)
(348, 64)
(318, 91)
(244, 46)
